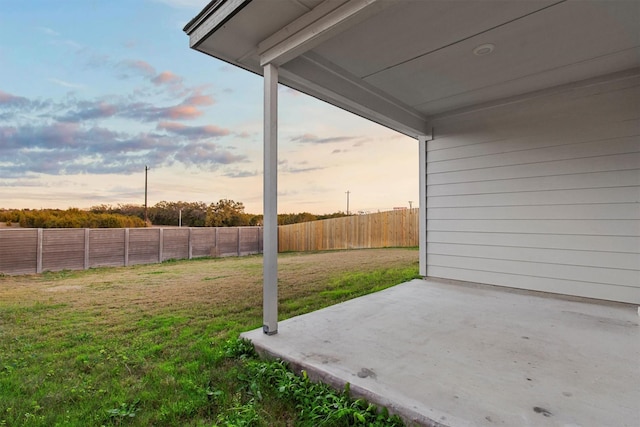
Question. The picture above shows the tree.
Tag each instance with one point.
(226, 213)
(285, 219)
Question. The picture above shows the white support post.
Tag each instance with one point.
(270, 258)
(422, 212)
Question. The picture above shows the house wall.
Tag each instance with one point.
(540, 193)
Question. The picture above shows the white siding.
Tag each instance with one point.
(541, 194)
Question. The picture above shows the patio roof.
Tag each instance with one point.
(400, 63)
(459, 354)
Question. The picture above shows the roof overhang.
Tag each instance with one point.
(401, 63)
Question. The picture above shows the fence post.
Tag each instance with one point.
(86, 248)
(126, 247)
(39, 252)
(160, 244)
(239, 241)
(190, 250)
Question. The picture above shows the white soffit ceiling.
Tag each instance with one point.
(414, 59)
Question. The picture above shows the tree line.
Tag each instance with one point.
(69, 218)
(224, 213)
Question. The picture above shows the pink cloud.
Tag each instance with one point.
(183, 112)
(208, 131)
(6, 98)
(167, 77)
(142, 66)
(199, 100)
(171, 126)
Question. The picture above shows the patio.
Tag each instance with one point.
(459, 354)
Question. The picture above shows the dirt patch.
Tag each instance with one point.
(63, 288)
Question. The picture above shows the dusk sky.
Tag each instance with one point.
(91, 91)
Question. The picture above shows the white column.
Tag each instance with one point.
(422, 212)
(270, 259)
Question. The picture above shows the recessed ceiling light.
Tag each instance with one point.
(484, 49)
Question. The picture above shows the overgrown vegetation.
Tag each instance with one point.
(69, 218)
(316, 404)
(156, 344)
(224, 213)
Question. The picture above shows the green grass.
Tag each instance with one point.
(150, 345)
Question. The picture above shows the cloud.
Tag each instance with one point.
(69, 148)
(67, 43)
(240, 173)
(207, 154)
(125, 107)
(308, 138)
(193, 131)
(48, 31)
(139, 66)
(89, 111)
(147, 112)
(285, 167)
(199, 99)
(337, 151)
(243, 135)
(167, 77)
(75, 136)
(66, 84)
(168, 80)
(7, 99)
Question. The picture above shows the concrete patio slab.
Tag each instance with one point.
(459, 354)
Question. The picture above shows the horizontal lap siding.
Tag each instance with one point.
(106, 247)
(18, 251)
(543, 194)
(62, 249)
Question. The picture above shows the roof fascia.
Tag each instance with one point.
(212, 17)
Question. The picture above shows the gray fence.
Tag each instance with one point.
(34, 250)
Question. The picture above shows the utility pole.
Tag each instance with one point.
(348, 192)
(146, 214)
(410, 204)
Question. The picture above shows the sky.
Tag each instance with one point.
(91, 91)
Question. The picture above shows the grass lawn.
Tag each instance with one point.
(156, 344)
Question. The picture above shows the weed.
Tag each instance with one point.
(317, 404)
(125, 410)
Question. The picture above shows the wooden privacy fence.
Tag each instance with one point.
(34, 250)
(396, 228)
